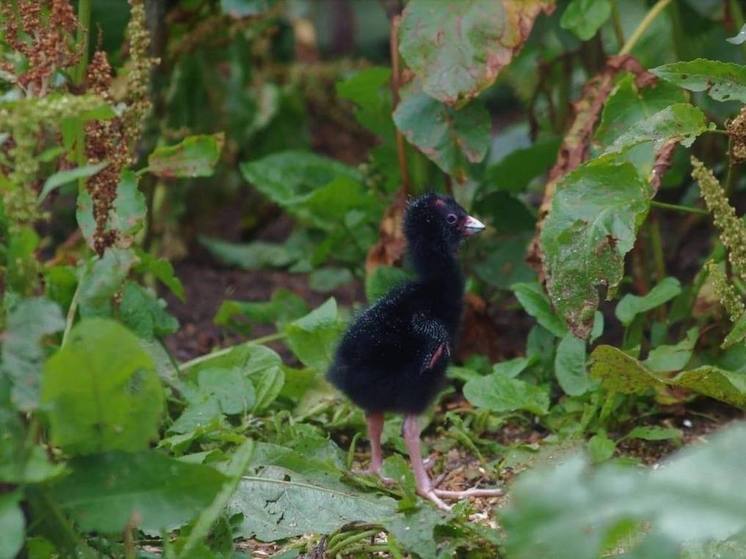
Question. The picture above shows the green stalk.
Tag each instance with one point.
(84, 19)
(657, 246)
(343, 543)
(258, 341)
(617, 23)
(71, 312)
(644, 24)
(677, 208)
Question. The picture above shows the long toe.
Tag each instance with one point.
(431, 496)
(473, 492)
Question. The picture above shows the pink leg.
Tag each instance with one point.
(375, 428)
(422, 480)
(424, 485)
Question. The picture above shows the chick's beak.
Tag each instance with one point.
(472, 226)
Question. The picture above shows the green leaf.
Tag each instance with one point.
(281, 505)
(101, 280)
(369, 90)
(12, 525)
(500, 393)
(585, 17)
(632, 305)
(248, 256)
(313, 337)
(283, 307)
(534, 301)
(723, 81)
(415, 531)
(569, 365)
(620, 372)
(21, 463)
(127, 217)
(574, 512)
(230, 387)
(513, 367)
(104, 491)
(515, 171)
(61, 178)
(458, 49)
(325, 280)
(102, 391)
(144, 313)
(382, 280)
(207, 518)
(195, 156)
(600, 448)
(505, 263)
(593, 223)
(28, 323)
(680, 122)
(666, 358)
(163, 271)
(654, 433)
(737, 334)
(450, 137)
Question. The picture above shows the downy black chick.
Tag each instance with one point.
(394, 356)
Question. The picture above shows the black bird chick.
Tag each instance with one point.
(394, 356)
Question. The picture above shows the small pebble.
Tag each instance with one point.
(687, 423)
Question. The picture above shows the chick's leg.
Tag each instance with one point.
(375, 428)
(422, 480)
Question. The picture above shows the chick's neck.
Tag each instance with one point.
(437, 266)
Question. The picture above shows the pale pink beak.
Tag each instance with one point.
(472, 226)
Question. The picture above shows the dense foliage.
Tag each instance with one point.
(605, 327)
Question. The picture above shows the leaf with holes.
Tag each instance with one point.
(723, 81)
(194, 156)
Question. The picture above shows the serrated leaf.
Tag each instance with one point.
(101, 280)
(595, 215)
(27, 324)
(451, 138)
(585, 17)
(500, 393)
(163, 271)
(680, 123)
(632, 305)
(145, 313)
(101, 391)
(194, 156)
(104, 491)
(723, 81)
(459, 48)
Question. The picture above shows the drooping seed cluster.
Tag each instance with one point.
(737, 132)
(732, 228)
(725, 291)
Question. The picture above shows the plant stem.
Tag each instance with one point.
(71, 312)
(401, 148)
(657, 246)
(341, 544)
(258, 341)
(643, 26)
(84, 18)
(617, 22)
(677, 208)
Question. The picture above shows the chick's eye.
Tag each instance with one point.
(451, 218)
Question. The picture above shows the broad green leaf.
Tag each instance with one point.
(585, 17)
(632, 305)
(505, 263)
(102, 391)
(27, 324)
(60, 283)
(195, 156)
(507, 213)
(163, 271)
(325, 280)
(207, 518)
(248, 256)
(12, 525)
(313, 337)
(723, 81)
(620, 372)
(569, 366)
(382, 280)
(283, 307)
(144, 313)
(534, 301)
(61, 178)
(101, 280)
(515, 171)
(500, 393)
(369, 89)
(451, 138)
(280, 504)
(654, 433)
(459, 48)
(415, 531)
(127, 217)
(593, 223)
(680, 122)
(306, 456)
(513, 367)
(20, 462)
(573, 512)
(268, 384)
(666, 358)
(600, 448)
(230, 387)
(248, 357)
(104, 491)
(22, 271)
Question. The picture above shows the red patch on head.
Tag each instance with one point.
(439, 203)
